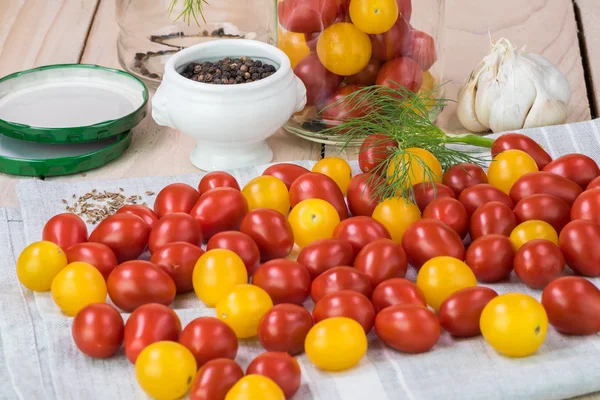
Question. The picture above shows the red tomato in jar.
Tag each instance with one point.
(578, 242)
(215, 378)
(65, 230)
(176, 197)
(338, 279)
(404, 9)
(367, 76)
(517, 141)
(284, 328)
(241, 244)
(492, 218)
(137, 282)
(141, 211)
(573, 305)
(209, 338)
(420, 47)
(390, 44)
(150, 323)
(397, 291)
(477, 195)
(425, 193)
(307, 16)
(360, 231)
(545, 183)
(594, 184)
(461, 176)
(539, 262)
(381, 260)
(175, 227)
(428, 238)
(324, 254)
(217, 179)
(282, 368)
(362, 194)
(401, 71)
(98, 330)
(408, 328)
(312, 39)
(339, 108)
(97, 254)
(287, 173)
(126, 235)
(286, 281)
(271, 232)
(346, 303)
(320, 83)
(587, 206)
(578, 168)
(491, 258)
(374, 150)
(220, 209)
(451, 212)
(314, 185)
(543, 207)
(459, 314)
(178, 259)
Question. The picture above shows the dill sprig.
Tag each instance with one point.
(191, 9)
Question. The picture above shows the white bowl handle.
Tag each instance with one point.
(159, 110)
(300, 95)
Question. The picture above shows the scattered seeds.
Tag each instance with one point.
(95, 206)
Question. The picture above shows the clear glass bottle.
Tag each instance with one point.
(150, 34)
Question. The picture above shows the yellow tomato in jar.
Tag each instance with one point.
(38, 264)
(267, 192)
(216, 273)
(255, 387)
(531, 230)
(77, 285)
(337, 169)
(507, 167)
(374, 16)
(396, 214)
(344, 49)
(419, 164)
(293, 45)
(243, 308)
(311, 220)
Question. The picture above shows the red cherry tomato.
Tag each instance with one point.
(284, 328)
(141, 211)
(397, 291)
(594, 184)
(425, 193)
(360, 231)
(98, 330)
(126, 235)
(97, 254)
(451, 212)
(539, 262)
(389, 45)
(408, 328)
(517, 141)
(587, 206)
(209, 338)
(215, 378)
(374, 151)
(175, 227)
(324, 254)
(492, 218)
(178, 259)
(337, 108)
(137, 282)
(319, 82)
(578, 242)
(573, 305)
(271, 232)
(404, 9)
(176, 197)
(346, 303)
(461, 176)
(543, 207)
(491, 258)
(459, 314)
(428, 238)
(286, 172)
(578, 168)
(401, 71)
(314, 185)
(475, 196)
(150, 323)
(282, 368)
(220, 209)
(338, 279)
(312, 39)
(307, 16)
(217, 179)
(65, 230)
(367, 76)
(381, 260)
(362, 194)
(286, 281)
(420, 47)
(545, 183)
(241, 244)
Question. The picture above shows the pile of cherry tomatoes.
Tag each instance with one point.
(324, 234)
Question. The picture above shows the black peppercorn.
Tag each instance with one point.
(228, 71)
(258, 64)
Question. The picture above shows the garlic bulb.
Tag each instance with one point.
(511, 89)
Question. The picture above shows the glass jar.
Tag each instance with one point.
(150, 33)
(344, 45)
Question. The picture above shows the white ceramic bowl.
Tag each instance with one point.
(229, 122)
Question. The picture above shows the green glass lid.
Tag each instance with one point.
(18, 157)
(70, 103)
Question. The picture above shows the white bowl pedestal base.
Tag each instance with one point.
(219, 157)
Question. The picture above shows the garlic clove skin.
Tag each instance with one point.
(466, 99)
(546, 112)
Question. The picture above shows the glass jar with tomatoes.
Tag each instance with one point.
(340, 46)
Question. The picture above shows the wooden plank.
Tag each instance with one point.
(589, 16)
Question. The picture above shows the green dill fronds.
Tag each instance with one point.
(191, 9)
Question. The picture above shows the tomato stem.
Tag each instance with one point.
(470, 139)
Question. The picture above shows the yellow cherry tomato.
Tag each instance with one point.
(420, 164)
(243, 308)
(165, 370)
(531, 230)
(311, 220)
(396, 214)
(514, 324)
(293, 45)
(443, 276)
(507, 167)
(255, 387)
(77, 285)
(38, 264)
(426, 91)
(344, 49)
(337, 169)
(267, 192)
(336, 344)
(374, 16)
(216, 273)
